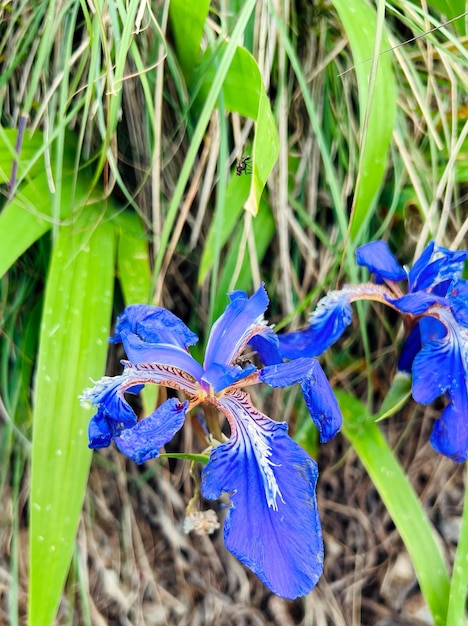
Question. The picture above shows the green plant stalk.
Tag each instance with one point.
(401, 502)
(457, 614)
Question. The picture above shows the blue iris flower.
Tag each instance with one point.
(435, 310)
(273, 524)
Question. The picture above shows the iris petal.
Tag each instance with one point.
(439, 366)
(151, 324)
(417, 303)
(327, 323)
(113, 414)
(450, 432)
(222, 376)
(285, 374)
(273, 525)
(145, 439)
(378, 259)
(436, 265)
(321, 402)
(242, 319)
(163, 354)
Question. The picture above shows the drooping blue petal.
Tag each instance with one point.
(273, 525)
(242, 319)
(222, 376)
(144, 440)
(328, 322)
(378, 259)
(450, 432)
(321, 402)
(114, 413)
(101, 429)
(417, 303)
(440, 366)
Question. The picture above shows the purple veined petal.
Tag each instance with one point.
(151, 325)
(436, 265)
(417, 303)
(328, 322)
(164, 355)
(441, 365)
(223, 376)
(241, 320)
(378, 259)
(286, 374)
(144, 440)
(321, 402)
(450, 432)
(158, 374)
(273, 525)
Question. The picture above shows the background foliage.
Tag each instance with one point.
(121, 126)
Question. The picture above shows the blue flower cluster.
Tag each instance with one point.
(273, 525)
(434, 306)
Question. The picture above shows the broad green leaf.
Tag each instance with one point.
(451, 9)
(243, 92)
(133, 264)
(401, 502)
(188, 20)
(377, 102)
(26, 220)
(73, 348)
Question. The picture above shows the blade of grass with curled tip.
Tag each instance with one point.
(402, 503)
(377, 101)
(73, 347)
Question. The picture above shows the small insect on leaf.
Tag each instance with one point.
(244, 166)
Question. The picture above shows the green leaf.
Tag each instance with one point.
(401, 502)
(188, 19)
(377, 101)
(236, 194)
(73, 349)
(133, 263)
(396, 397)
(243, 92)
(457, 611)
(237, 263)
